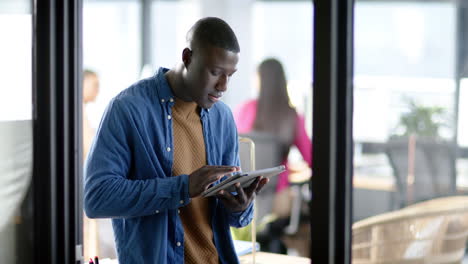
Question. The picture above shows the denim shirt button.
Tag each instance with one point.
(178, 244)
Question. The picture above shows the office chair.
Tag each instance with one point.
(427, 173)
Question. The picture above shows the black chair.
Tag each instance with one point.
(433, 168)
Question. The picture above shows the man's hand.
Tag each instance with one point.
(201, 179)
(239, 202)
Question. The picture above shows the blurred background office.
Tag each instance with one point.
(409, 67)
(137, 37)
(410, 88)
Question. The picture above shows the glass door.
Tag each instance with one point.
(16, 141)
(409, 132)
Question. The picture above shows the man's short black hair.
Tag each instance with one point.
(214, 31)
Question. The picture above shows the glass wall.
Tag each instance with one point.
(407, 149)
(269, 35)
(289, 40)
(261, 36)
(15, 131)
(112, 48)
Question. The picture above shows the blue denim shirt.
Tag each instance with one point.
(129, 175)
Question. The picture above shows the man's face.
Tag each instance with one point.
(208, 74)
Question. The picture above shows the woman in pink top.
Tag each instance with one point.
(272, 113)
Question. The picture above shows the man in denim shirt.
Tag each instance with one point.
(160, 144)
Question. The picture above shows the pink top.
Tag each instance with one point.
(245, 118)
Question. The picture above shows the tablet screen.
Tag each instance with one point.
(244, 178)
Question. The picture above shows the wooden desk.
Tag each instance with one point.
(270, 258)
(373, 183)
(359, 181)
(300, 172)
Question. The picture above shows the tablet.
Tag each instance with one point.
(244, 178)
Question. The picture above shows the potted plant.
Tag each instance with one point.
(422, 121)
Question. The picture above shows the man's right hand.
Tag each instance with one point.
(201, 179)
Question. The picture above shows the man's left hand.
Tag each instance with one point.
(240, 202)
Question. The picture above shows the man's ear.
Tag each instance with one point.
(187, 56)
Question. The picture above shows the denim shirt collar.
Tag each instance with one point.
(165, 95)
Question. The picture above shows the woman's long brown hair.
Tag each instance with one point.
(274, 113)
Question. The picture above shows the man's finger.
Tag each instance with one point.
(210, 181)
(214, 174)
(212, 178)
(222, 171)
(226, 196)
(241, 196)
(253, 186)
(262, 183)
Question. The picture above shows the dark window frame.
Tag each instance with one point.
(56, 192)
(331, 205)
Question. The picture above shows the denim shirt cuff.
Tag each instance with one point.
(243, 218)
(184, 195)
